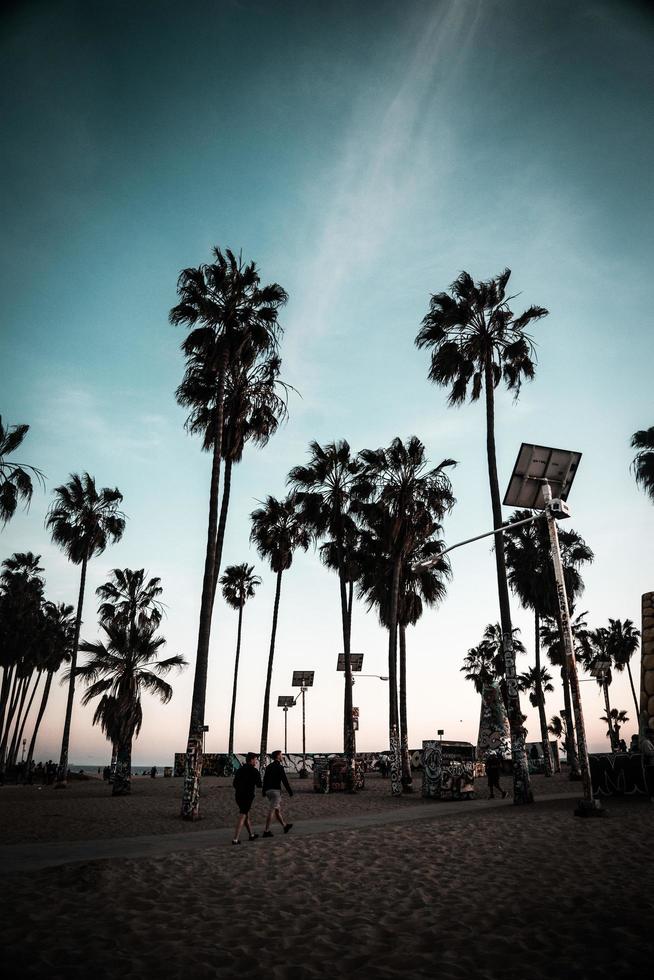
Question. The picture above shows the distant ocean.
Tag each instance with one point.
(137, 769)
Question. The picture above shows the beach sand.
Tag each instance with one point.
(508, 892)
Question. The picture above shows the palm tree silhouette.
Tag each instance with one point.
(622, 642)
(476, 342)
(479, 666)
(229, 313)
(407, 503)
(239, 584)
(614, 720)
(254, 406)
(597, 651)
(15, 478)
(128, 596)
(83, 521)
(21, 628)
(643, 463)
(57, 639)
(550, 637)
(423, 579)
(324, 490)
(120, 669)
(277, 531)
(531, 578)
(535, 683)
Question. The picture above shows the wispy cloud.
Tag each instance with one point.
(113, 425)
(382, 165)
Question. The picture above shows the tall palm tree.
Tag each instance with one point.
(324, 490)
(531, 577)
(239, 584)
(83, 521)
(614, 720)
(254, 406)
(120, 669)
(57, 639)
(15, 478)
(278, 530)
(407, 503)
(425, 572)
(228, 312)
(597, 652)
(622, 641)
(476, 342)
(643, 464)
(423, 582)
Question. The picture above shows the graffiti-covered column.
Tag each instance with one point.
(647, 664)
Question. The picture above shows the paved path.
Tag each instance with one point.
(36, 856)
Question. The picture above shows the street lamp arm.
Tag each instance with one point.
(478, 537)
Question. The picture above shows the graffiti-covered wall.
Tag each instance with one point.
(448, 769)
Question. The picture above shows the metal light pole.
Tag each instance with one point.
(535, 470)
(304, 680)
(589, 804)
(285, 701)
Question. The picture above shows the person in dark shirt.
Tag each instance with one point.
(273, 779)
(493, 769)
(246, 781)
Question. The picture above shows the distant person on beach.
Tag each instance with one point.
(647, 748)
(246, 781)
(273, 779)
(153, 772)
(633, 744)
(493, 768)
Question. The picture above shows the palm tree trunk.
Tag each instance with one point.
(607, 705)
(62, 773)
(37, 723)
(13, 705)
(230, 747)
(348, 718)
(544, 735)
(19, 731)
(193, 763)
(407, 779)
(222, 523)
(266, 698)
(7, 678)
(393, 732)
(521, 784)
(570, 744)
(633, 690)
(122, 784)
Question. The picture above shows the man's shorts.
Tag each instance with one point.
(244, 804)
(274, 797)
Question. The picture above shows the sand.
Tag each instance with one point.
(508, 892)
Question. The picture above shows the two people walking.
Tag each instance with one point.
(246, 782)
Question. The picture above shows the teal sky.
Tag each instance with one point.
(362, 154)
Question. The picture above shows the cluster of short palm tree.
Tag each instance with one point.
(38, 637)
(35, 640)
